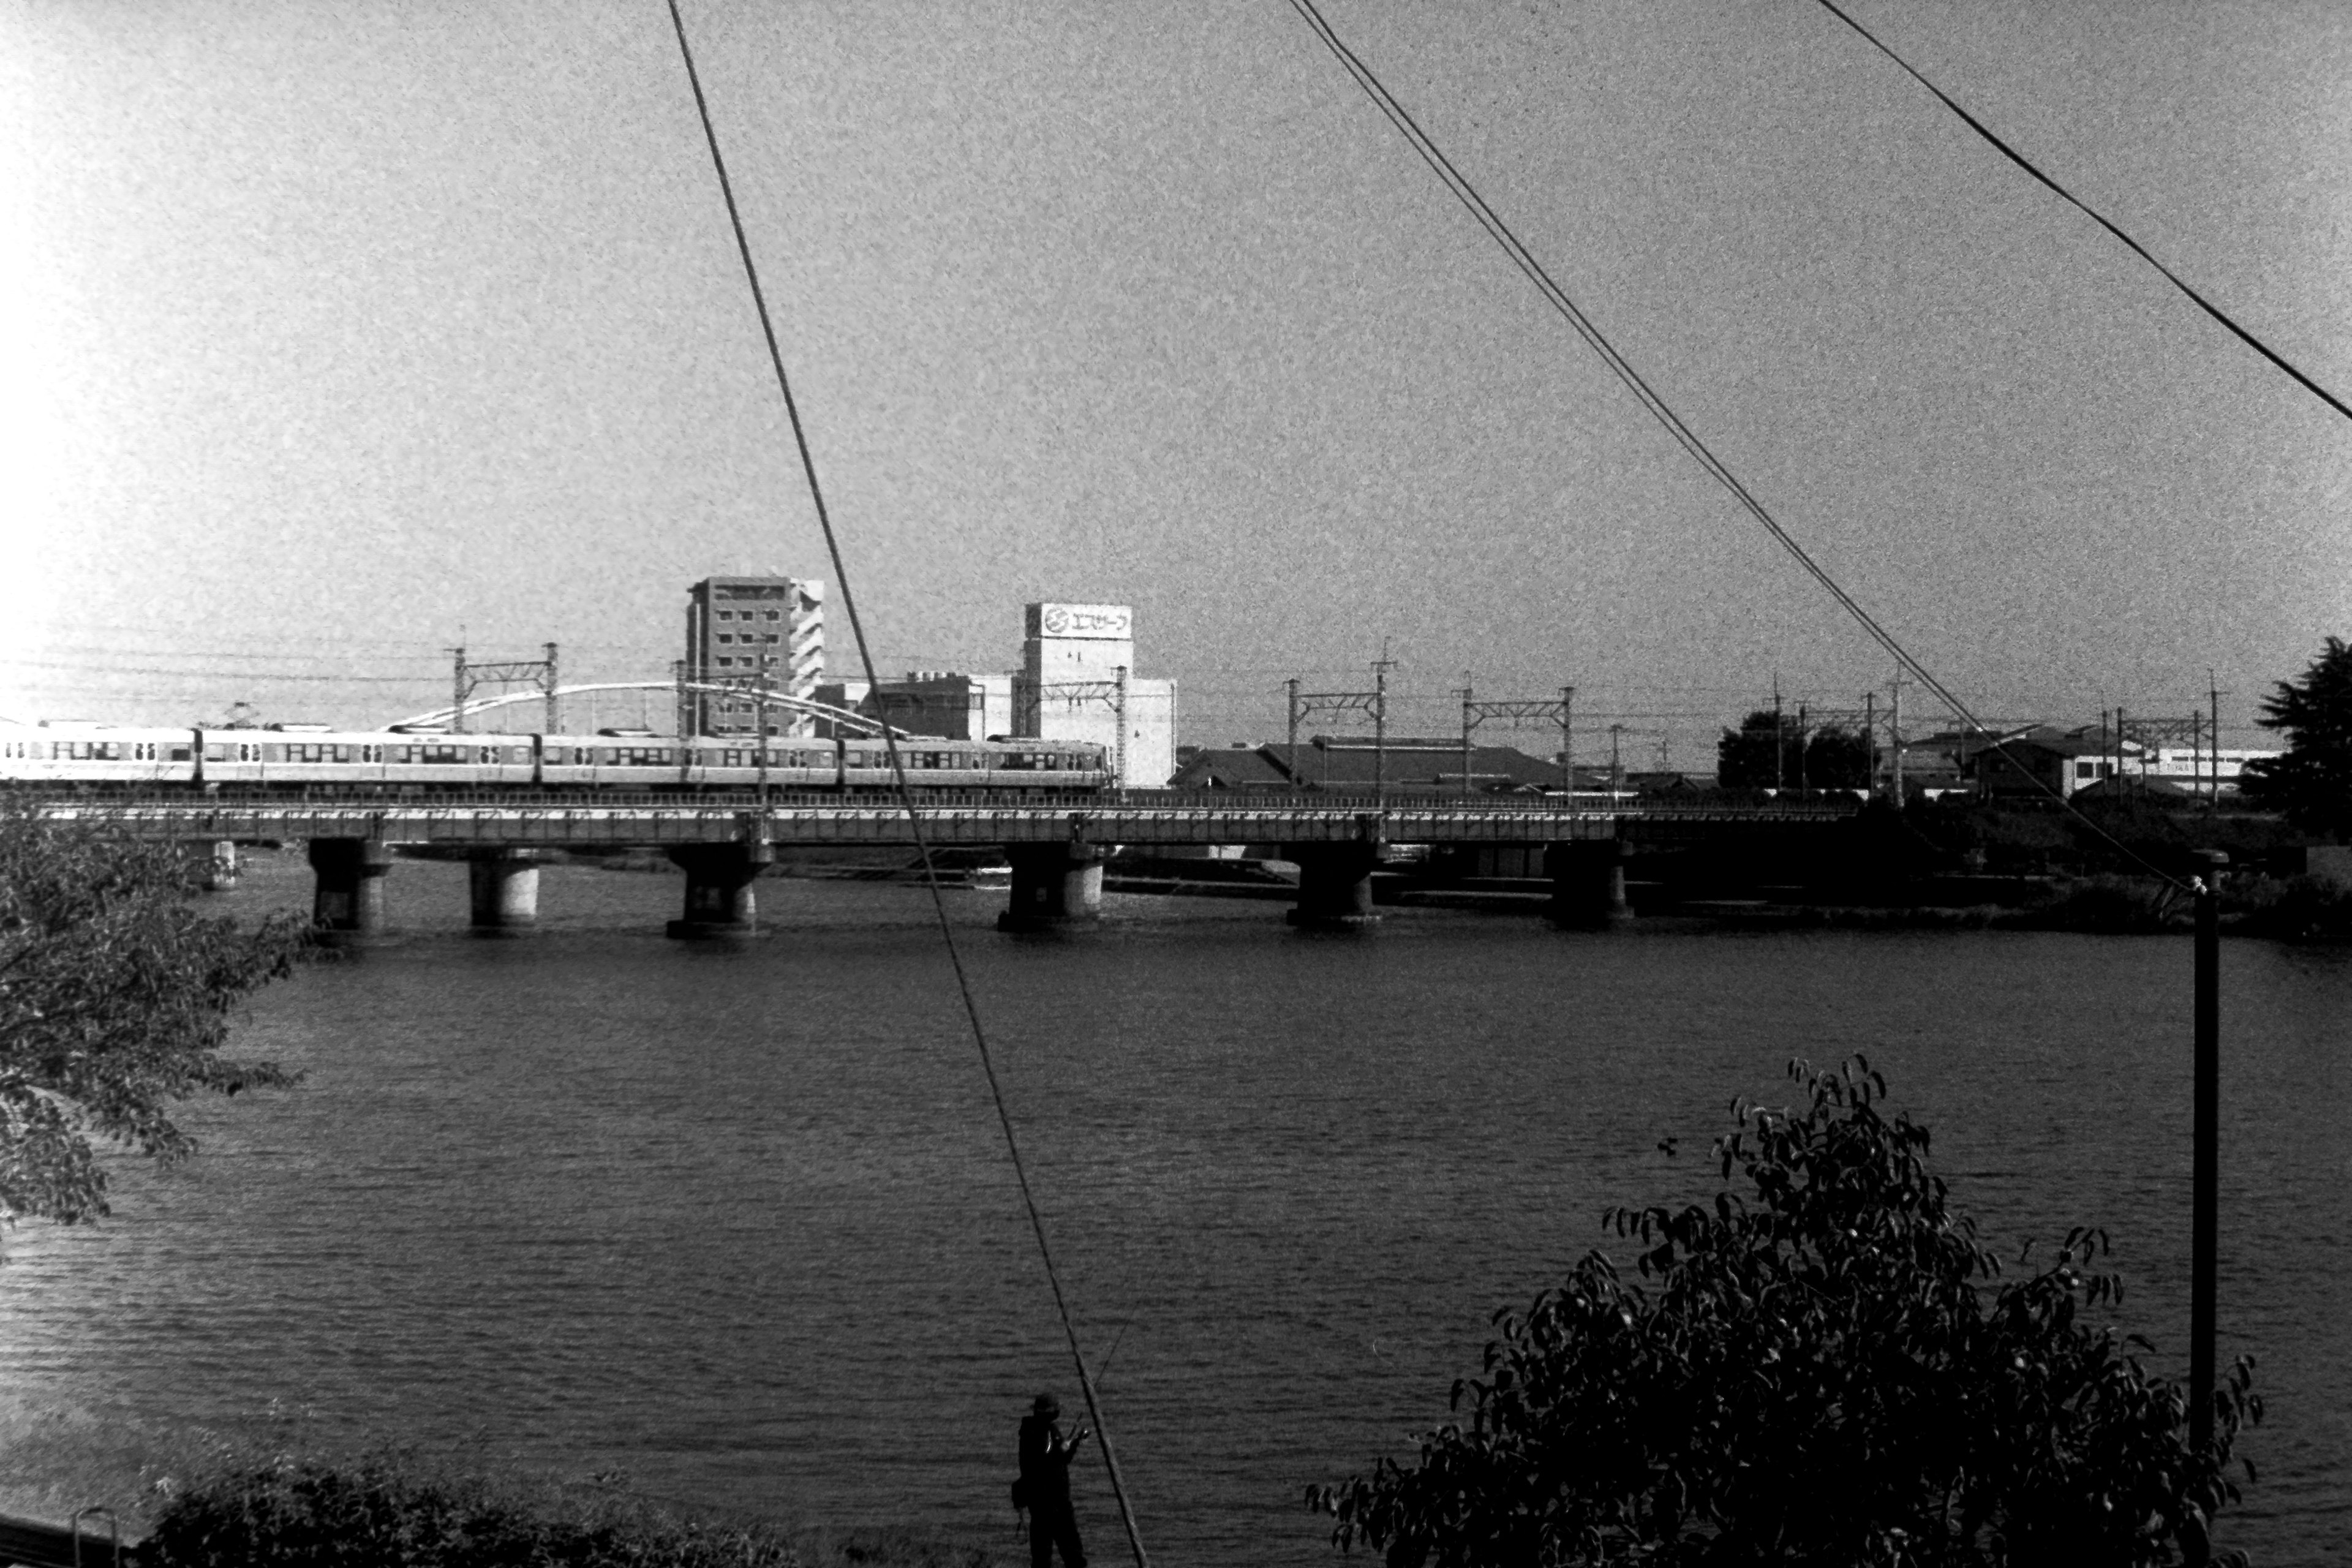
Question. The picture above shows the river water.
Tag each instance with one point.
(736, 1226)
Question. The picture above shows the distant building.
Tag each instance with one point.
(2044, 761)
(1405, 765)
(941, 703)
(1077, 682)
(2200, 769)
(750, 632)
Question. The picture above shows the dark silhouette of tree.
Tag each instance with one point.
(2312, 782)
(1837, 759)
(115, 1000)
(1817, 1369)
(1743, 757)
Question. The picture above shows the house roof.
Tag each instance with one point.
(1346, 763)
(1230, 768)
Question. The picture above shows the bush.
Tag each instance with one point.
(1818, 1372)
(391, 1511)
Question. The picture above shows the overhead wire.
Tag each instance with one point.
(905, 793)
(2071, 199)
(1459, 185)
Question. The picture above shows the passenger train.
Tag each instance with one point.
(308, 760)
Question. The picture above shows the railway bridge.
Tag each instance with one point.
(1056, 849)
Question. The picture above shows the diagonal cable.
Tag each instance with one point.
(906, 794)
(1464, 192)
(2071, 199)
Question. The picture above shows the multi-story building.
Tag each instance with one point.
(944, 702)
(750, 632)
(1077, 682)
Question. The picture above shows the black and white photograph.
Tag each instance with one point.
(1253, 783)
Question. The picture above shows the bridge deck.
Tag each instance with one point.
(1129, 817)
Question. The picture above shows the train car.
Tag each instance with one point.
(794, 763)
(96, 754)
(1029, 766)
(363, 760)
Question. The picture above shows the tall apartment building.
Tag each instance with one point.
(1077, 682)
(750, 632)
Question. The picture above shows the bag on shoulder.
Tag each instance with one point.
(1020, 1493)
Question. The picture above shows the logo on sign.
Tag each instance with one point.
(1085, 620)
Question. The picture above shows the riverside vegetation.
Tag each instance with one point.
(1817, 1368)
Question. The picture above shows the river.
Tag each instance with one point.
(736, 1226)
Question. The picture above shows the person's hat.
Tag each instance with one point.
(1046, 1405)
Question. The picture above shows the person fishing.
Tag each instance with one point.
(1044, 1485)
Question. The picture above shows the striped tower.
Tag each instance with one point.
(804, 649)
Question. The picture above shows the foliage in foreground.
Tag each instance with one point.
(1818, 1371)
(115, 995)
(389, 1510)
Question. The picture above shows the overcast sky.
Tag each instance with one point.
(337, 333)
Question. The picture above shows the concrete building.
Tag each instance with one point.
(1077, 682)
(748, 631)
(2200, 769)
(939, 703)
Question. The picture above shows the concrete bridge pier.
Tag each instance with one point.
(1054, 885)
(1588, 884)
(222, 871)
(718, 877)
(505, 891)
(350, 898)
(1335, 885)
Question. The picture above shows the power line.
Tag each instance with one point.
(2071, 199)
(1464, 192)
(905, 793)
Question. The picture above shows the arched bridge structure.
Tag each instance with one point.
(843, 719)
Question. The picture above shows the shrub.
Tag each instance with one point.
(1818, 1371)
(389, 1510)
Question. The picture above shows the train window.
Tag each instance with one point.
(182, 753)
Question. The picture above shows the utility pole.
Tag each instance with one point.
(1870, 743)
(1118, 703)
(458, 692)
(1465, 695)
(1567, 747)
(1380, 668)
(1804, 772)
(1894, 737)
(2205, 1176)
(1616, 765)
(2213, 687)
(1779, 740)
(1292, 684)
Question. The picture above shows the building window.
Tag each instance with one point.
(775, 615)
(726, 637)
(726, 614)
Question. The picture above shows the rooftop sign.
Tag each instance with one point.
(1114, 621)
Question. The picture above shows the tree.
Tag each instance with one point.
(2312, 782)
(115, 995)
(1816, 1372)
(1837, 759)
(1744, 757)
